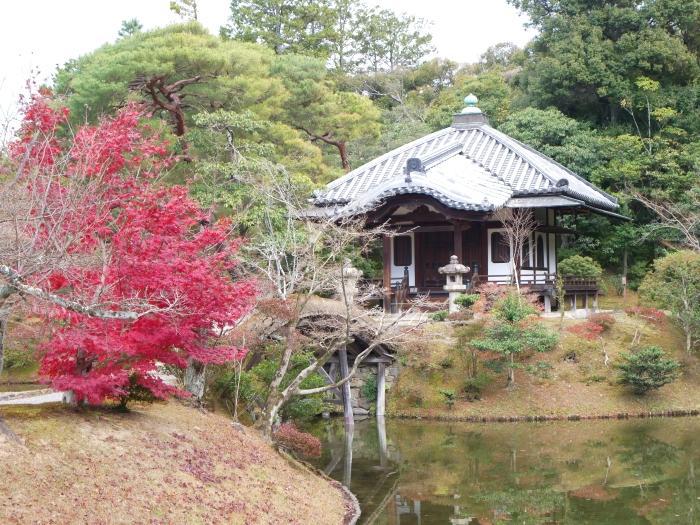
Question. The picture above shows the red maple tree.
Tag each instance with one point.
(139, 273)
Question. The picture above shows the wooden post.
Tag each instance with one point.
(347, 394)
(624, 273)
(457, 244)
(386, 260)
(381, 389)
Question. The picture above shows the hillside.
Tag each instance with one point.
(570, 380)
(164, 463)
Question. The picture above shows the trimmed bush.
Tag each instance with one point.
(581, 267)
(647, 369)
(440, 315)
(474, 386)
(604, 320)
(466, 300)
(291, 438)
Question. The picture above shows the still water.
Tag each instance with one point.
(602, 472)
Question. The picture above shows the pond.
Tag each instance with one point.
(603, 472)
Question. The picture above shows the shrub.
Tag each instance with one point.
(448, 397)
(606, 321)
(489, 295)
(255, 384)
(588, 330)
(647, 369)
(466, 300)
(540, 369)
(369, 388)
(474, 386)
(461, 315)
(447, 362)
(579, 266)
(439, 316)
(291, 438)
(15, 359)
(652, 315)
(513, 308)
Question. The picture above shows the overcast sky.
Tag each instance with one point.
(38, 35)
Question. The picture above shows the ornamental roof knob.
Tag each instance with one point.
(471, 101)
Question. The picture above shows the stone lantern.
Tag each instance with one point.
(351, 276)
(455, 273)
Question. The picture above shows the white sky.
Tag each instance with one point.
(38, 35)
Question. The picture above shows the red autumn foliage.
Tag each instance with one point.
(605, 320)
(652, 315)
(133, 245)
(588, 330)
(291, 438)
(490, 293)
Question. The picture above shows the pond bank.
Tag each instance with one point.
(157, 463)
(578, 379)
(531, 419)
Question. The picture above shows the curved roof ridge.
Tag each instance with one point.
(538, 157)
(386, 156)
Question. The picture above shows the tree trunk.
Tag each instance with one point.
(511, 372)
(688, 341)
(195, 376)
(3, 329)
(343, 151)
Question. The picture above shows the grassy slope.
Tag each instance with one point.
(585, 387)
(164, 463)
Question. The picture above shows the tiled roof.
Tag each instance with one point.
(472, 167)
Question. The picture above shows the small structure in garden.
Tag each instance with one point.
(442, 195)
(454, 273)
(347, 286)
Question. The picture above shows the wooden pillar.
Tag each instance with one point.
(386, 261)
(381, 389)
(347, 393)
(458, 242)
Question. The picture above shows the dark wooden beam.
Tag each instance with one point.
(386, 260)
(458, 241)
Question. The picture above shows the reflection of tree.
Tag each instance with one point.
(646, 457)
(535, 506)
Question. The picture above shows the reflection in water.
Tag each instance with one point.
(602, 472)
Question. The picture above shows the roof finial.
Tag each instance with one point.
(470, 100)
